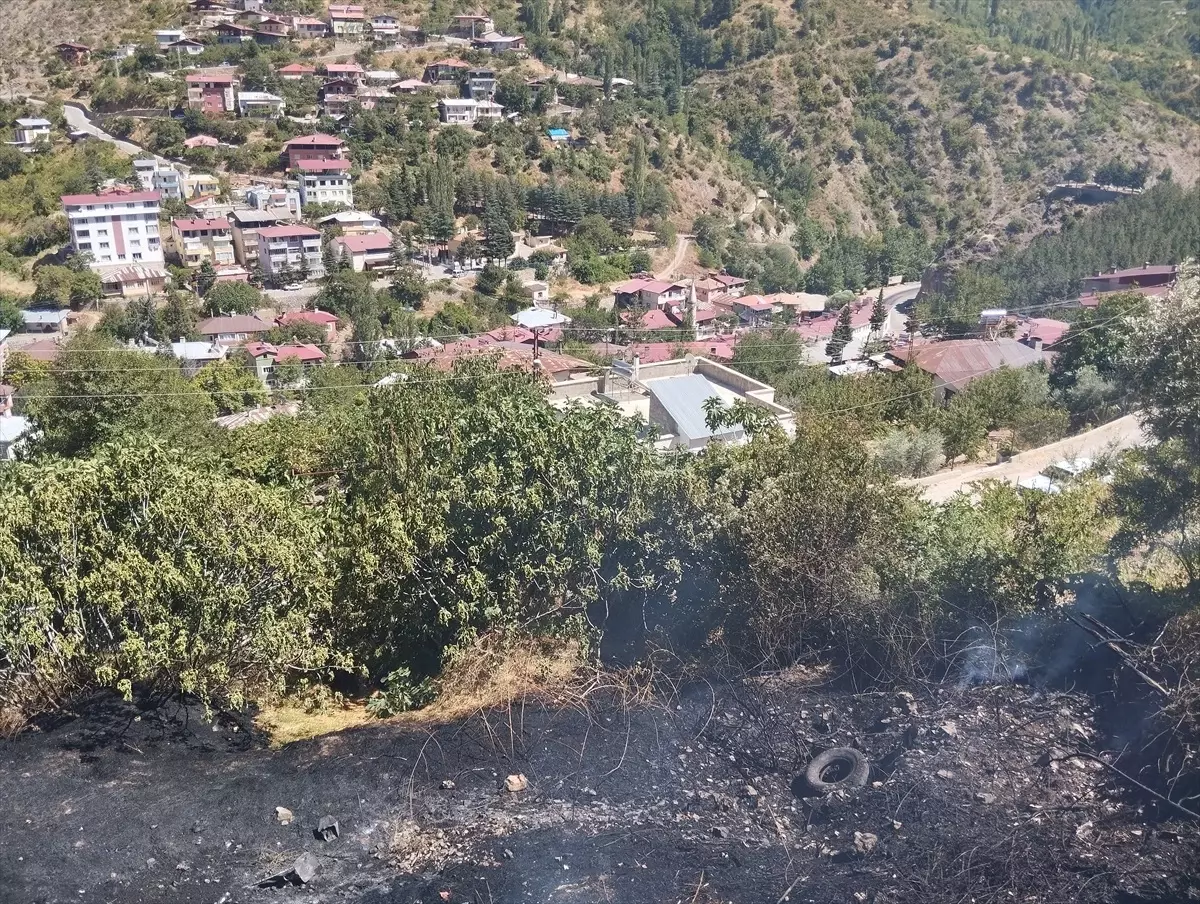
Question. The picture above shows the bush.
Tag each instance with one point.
(911, 453)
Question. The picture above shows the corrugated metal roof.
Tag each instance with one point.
(683, 400)
(959, 361)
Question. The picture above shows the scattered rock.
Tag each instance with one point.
(985, 798)
(515, 783)
(508, 855)
(865, 842)
(284, 815)
(447, 785)
(950, 728)
(182, 867)
(750, 791)
(945, 773)
(305, 867)
(720, 832)
(151, 863)
(327, 828)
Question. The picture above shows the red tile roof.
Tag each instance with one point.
(223, 78)
(316, 140)
(371, 241)
(320, 318)
(321, 166)
(755, 303)
(110, 197)
(1044, 328)
(343, 67)
(450, 62)
(510, 358)
(299, 68)
(959, 361)
(186, 225)
(235, 323)
(302, 352)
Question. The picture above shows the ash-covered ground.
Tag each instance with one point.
(974, 796)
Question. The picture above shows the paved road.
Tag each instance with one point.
(78, 119)
(894, 326)
(1123, 433)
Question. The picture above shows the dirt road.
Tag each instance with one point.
(668, 272)
(1123, 433)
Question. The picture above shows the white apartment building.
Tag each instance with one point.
(115, 227)
(325, 182)
(468, 110)
(290, 248)
(167, 182)
(145, 168)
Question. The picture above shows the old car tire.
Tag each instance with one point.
(840, 768)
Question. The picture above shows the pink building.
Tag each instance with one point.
(314, 147)
(212, 93)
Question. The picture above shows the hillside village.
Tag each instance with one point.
(190, 221)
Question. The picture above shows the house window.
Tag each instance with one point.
(82, 233)
(85, 246)
(104, 244)
(137, 255)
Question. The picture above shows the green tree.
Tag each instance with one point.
(768, 356)
(231, 386)
(114, 564)
(498, 244)
(177, 318)
(878, 315)
(96, 393)
(843, 332)
(409, 288)
(206, 277)
(232, 298)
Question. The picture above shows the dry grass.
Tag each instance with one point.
(289, 721)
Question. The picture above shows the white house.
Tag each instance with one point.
(370, 251)
(468, 110)
(291, 249)
(30, 132)
(325, 182)
(115, 227)
(165, 37)
(261, 104)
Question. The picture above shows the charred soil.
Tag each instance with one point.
(974, 794)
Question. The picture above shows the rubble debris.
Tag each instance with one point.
(985, 798)
(302, 871)
(447, 785)
(837, 769)
(515, 783)
(327, 829)
(284, 815)
(720, 832)
(865, 842)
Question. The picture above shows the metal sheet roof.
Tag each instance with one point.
(683, 400)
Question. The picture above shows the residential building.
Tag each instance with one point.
(115, 227)
(184, 47)
(267, 358)
(558, 136)
(213, 93)
(144, 169)
(472, 24)
(165, 37)
(6, 392)
(261, 104)
(537, 290)
(352, 222)
(647, 292)
(325, 182)
(494, 42)
(481, 83)
(134, 280)
(753, 310)
(293, 72)
(385, 29)
(290, 250)
(1040, 332)
(326, 321)
(380, 77)
(233, 33)
(447, 71)
(281, 199)
(168, 182)
(246, 225)
(1146, 276)
(200, 185)
(347, 22)
(314, 147)
(509, 355)
(409, 86)
(193, 355)
(369, 251)
(337, 95)
(953, 364)
(307, 28)
(72, 53)
(30, 131)
(272, 30)
(197, 241)
(12, 428)
(467, 110)
(232, 329)
(351, 71)
(232, 273)
(48, 320)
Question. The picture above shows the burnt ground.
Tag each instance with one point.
(972, 798)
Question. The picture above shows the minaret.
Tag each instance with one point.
(692, 307)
